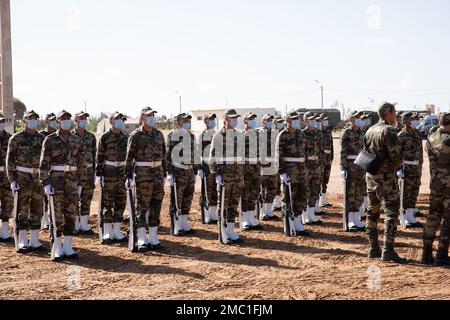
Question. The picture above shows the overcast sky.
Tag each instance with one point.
(125, 55)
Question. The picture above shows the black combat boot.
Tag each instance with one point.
(442, 259)
(389, 255)
(375, 251)
(427, 255)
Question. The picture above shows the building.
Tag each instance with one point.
(6, 76)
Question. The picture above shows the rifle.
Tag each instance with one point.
(223, 237)
(289, 227)
(402, 207)
(16, 219)
(173, 211)
(204, 203)
(53, 227)
(345, 215)
(259, 203)
(132, 233)
(100, 214)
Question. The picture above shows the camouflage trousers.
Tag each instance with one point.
(413, 175)
(354, 182)
(87, 192)
(270, 187)
(326, 176)
(233, 190)
(6, 200)
(29, 205)
(65, 202)
(313, 182)
(298, 176)
(114, 199)
(185, 185)
(149, 196)
(211, 189)
(439, 212)
(383, 195)
(251, 190)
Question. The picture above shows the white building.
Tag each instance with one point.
(197, 116)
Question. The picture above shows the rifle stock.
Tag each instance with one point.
(132, 233)
(53, 227)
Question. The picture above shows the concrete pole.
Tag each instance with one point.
(6, 92)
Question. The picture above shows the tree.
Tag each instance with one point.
(19, 108)
(92, 124)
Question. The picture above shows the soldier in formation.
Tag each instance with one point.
(6, 197)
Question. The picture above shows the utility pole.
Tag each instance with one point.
(179, 98)
(321, 91)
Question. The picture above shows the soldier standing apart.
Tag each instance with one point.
(62, 171)
(211, 186)
(351, 145)
(6, 197)
(291, 157)
(438, 149)
(146, 167)
(328, 156)
(382, 141)
(110, 172)
(252, 175)
(270, 179)
(181, 170)
(22, 160)
(226, 163)
(89, 153)
(50, 128)
(412, 162)
(277, 204)
(314, 152)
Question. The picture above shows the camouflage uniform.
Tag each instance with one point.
(22, 160)
(382, 188)
(328, 155)
(6, 198)
(314, 163)
(46, 133)
(252, 172)
(146, 160)
(438, 149)
(270, 179)
(111, 156)
(205, 142)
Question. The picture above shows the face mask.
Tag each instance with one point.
(280, 126)
(53, 124)
(296, 124)
(269, 125)
(312, 123)
(119, 124)
(66, 124)
(2, 126)
(83, 124)
(212, 123)
(415, 123)
(325, 124)
(400, 122)
(32, 124)
(186, 125)
(252, 124)
(150, 121)
(318, 125)
(359, 123)
(234, 123)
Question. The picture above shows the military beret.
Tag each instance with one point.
(30, 113)
(63, 113)
(231, 113)
(148, 111)
(407, 116)
(354, 114)
(209, 116)
(182, 116)
(267, 117)
(278, 119)
(117, 115)
(82, 113)
(249, 116)
(292, 115)
(309, 116)
(50, 116)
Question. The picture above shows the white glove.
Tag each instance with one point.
(171, 180)
(219, 181)
(129, 184)
(201, 173)
(344, 175)
(14, 186)
(79, 189)
(164, 182)
(285, 178)
(100, 181)
(49, 190)
(400, 174)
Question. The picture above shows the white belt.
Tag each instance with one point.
(411, 163)
(205, 159)
(327, 151)
(183, 166)
(65, 168)
(27, 170)
(154, 164)
(296, 160)
(265, 160)
(230, 159)
(251, 159)
(2, 169)
(352, 157)
(89, 166)
(116, 163)
(313, 158)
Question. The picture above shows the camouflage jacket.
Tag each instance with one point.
(111, 147)
(24, 150)
(89, 148)
(382, 141)
(267, 145)
(176, 155)
(58, 151)
(251, 154)
(351, 145)
(145, 146)
(204, 143)
(438, 149)
(226, 161)
(46, 133)
(328, 147)
(4, 139)
(314, 147)
(411, 144)
(290, 145)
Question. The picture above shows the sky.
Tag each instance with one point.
(125, 55)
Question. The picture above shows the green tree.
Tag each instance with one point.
(93, 123)
(19, 108)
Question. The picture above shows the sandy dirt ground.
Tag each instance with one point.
(331, 264)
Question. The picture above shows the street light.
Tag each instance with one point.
(321, 90)
(179, 97)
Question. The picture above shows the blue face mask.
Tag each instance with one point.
(296, 124)
(269, 125)
(186, 125)
(234, 123)
(66, 124)
(83, 124)
(150, 121)
(252, 124)
(119, 124)
(318, 125)
(2, 126)
(32, 124)
(280, 126)
(53, 124)
(415, 123)
(312, 123)
(212, 123)
(400, 122)
(359, 123)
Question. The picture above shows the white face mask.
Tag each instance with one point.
(296, 124)
(280, 126)
(359, 123)
(325, 123)
(234, 123)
